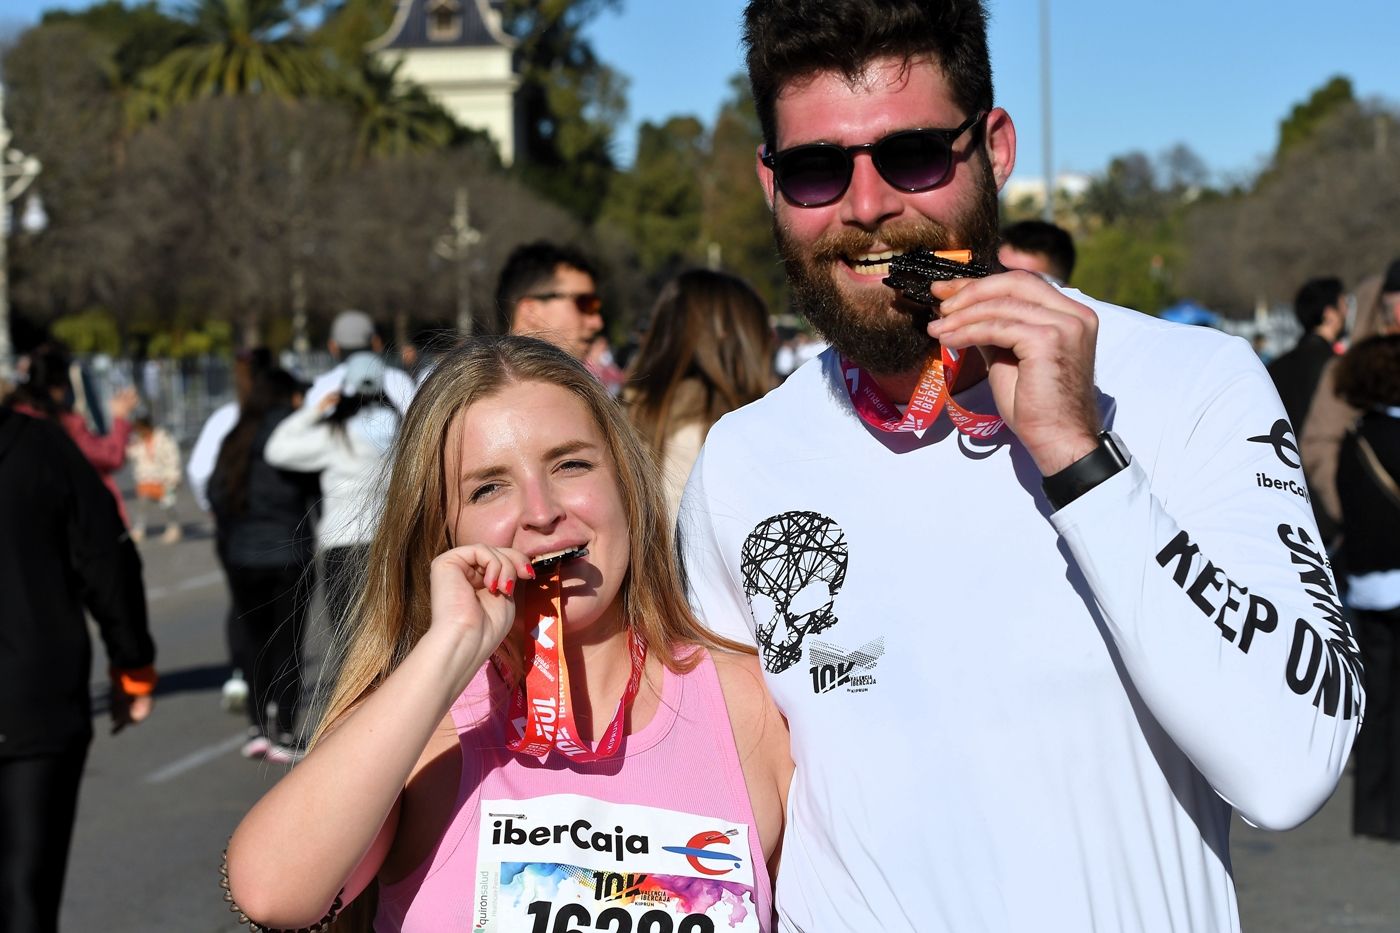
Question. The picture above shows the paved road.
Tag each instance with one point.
(159, 801)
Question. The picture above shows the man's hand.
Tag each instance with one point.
(127, 710)
(1039, 349)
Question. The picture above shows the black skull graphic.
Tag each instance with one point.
(794, 565)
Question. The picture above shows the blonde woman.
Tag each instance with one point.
(644, 785)
(709, 350)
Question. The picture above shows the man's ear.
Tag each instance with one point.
(999, 134)
(765, 176)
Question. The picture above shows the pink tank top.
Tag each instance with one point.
(658, 839)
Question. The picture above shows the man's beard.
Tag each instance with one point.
(869, 330)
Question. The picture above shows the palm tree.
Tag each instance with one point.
(393, 116)
(240, 47)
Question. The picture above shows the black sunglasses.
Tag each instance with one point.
(817, 174)
(586, 302)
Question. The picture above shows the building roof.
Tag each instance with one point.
(479, 26)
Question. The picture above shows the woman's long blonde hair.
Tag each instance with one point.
(393, 611)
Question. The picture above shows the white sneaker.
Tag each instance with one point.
(234, 697)
(283, 753)
(257, 746)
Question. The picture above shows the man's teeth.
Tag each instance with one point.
(873, 263)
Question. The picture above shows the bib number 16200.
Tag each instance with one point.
(575, 918)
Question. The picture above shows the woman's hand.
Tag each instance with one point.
(124, 402)
(473, 596)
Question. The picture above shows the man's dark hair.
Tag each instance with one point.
(1043, 239)
(791, 39)
(1315, 297)
(532, 266)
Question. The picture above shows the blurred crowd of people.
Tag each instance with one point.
(1340, 386)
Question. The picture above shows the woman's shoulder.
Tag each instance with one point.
(750, 704)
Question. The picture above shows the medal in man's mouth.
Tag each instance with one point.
(912, 274)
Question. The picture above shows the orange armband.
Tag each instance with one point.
(138, 682)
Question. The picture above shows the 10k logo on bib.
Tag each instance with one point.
(568, 862)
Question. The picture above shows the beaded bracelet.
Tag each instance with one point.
(318, 927)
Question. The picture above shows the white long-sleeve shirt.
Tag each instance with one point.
(1010, 720)
(205, 453)
(351, 464)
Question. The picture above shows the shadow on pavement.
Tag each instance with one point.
(202, 679)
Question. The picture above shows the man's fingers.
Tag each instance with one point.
(1009, 323)
(1025, 286)
(1021, 337)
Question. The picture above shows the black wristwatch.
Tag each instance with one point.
(1084, 474)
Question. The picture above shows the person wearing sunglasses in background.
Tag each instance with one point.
(551, 292)
(1029, 667)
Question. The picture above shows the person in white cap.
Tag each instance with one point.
(352, 333)
(344, 435)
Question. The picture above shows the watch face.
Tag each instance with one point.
(1101, 463)
(1110, 440)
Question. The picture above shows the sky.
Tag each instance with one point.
(1216, 75)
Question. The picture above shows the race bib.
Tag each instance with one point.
(569, 864)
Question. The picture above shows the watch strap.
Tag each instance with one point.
(1101, 463)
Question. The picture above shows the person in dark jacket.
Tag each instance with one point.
(1320, 307)
(1368, 469)
(265, 541)
(63, 548)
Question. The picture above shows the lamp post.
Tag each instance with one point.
(1048, 212)
(17, 171)
(455, 247)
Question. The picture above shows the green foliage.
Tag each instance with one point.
(141, 34)
(1305, 118)
(350, 25)
(91, 331)
(225, 202)
(658, 202)
(213, 337)
(1127, 191)
(394, 117)
(736, 217)
(239, 47)
(1131, 264)
(569, 101)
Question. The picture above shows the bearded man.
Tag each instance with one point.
(1030, 666)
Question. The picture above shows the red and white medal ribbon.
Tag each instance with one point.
(541, 711)
(931, 398)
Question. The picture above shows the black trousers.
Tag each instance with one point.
(271, 605)
(1376, 806)
(38, 802)
(344, 573)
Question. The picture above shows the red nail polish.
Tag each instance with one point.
(510, 587)
(492, 588)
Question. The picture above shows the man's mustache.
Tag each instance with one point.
(839, 244)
